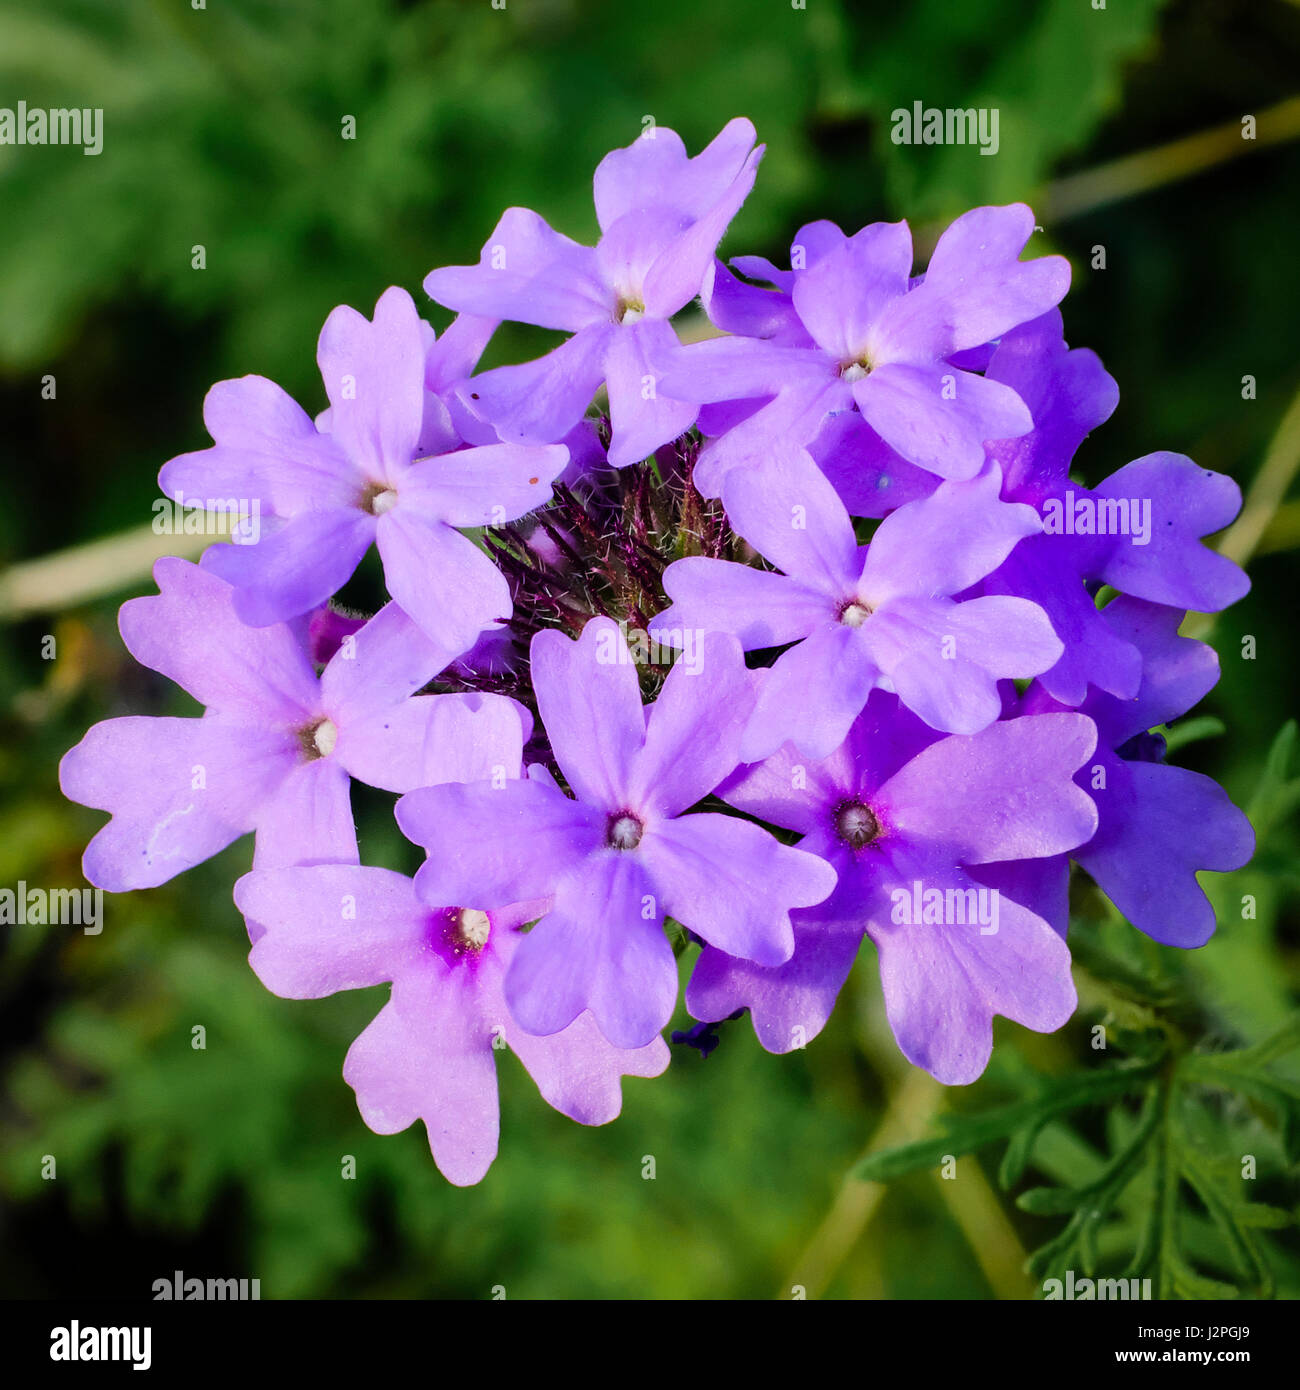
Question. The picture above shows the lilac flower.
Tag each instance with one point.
(888, 621)
(276, 747)
(661, 215)
(1152, 512)
(877, 342)
(903, 816)
(1157, 824)
(620, 856)
(335, 492)
(430, 1052)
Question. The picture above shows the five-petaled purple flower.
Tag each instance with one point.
(620, 855)
(889, 620)
(362, 481)
(661, 216)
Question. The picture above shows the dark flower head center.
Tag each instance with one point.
(467, 930)
(629, 309)
(318, 739)
(377, 498)
(623, 831)
(856, 824)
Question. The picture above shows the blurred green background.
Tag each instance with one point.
(222, 128)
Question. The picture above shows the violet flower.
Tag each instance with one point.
(661, 215)
(903, 815)
(335, 493)
(879, 344)
(276, 747)
(889, 620)
(620, 856)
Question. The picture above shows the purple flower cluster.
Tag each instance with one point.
(796, 635)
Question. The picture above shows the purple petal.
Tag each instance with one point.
(791, 514)
(331, 927)
(841, 297)
(654, 171)
(642, 416)
(378, 666)
(812, 695)
(736, 307)
(601, 948)
(870, 477)
(308, 820)
(758, 607)
(1068, 394)
(492, 845)
(590, 703)
(789, 1003)
(189, 633)
(693, 731)
(296, 569)
(1004, 793)
(267, 449)
(540, 402)
(456, 351)
(733, 883)
(1186, 503)
(945, 659)
(447, 585)
(483, 487)
(975, 287)
(791, 419)
(528, 273)
(679, 270)
(374, 377)
(432, 739)
(428, 1057)
(945, 542)
(1159, 825)
(938, 417)
(178, 791)
(943, 983)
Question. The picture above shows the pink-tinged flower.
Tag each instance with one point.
(868, 337)
(277, 745)
(901, 814)
(661, 215)
(890, 620)
(620, 855)
(430, 1054)
(331, 493)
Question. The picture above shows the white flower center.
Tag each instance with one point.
(624, 832)
(325, 736)
(383, 501)
(854, 614)
(855, 371)
(474, 928)
(856, 824)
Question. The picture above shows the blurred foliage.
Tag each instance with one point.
(223, 127)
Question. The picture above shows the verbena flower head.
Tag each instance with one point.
(812, 636)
